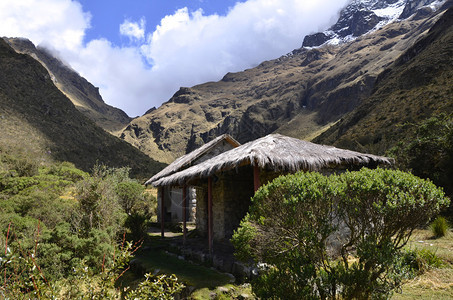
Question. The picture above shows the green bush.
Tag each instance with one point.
(67, 171)
(324, 237)
(439, 227)
(129, 193)
(419, 261)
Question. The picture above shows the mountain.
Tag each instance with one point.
(300, 94)
(418, 85)
(83, 94)
(365, 16)
(37, 119)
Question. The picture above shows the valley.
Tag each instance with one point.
(72, 167)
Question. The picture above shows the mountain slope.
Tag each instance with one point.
(299, 94)
(83, 94)
(417, 86)
(37, 119)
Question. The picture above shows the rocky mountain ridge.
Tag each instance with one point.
(299, 94)
(82, 93)
(38, 120)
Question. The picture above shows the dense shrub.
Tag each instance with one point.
(23, 276)
(80, 217)
(321, 237)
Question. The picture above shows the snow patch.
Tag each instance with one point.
(391, 12)
(436, 4)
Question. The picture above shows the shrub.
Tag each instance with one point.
(99, 206)
(129, 193)
(324, 237)
(418, 261)
(439, 227)
(156, 287)
(25, 276)
(68, 171)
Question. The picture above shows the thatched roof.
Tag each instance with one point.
(276, 152)
(187, 160)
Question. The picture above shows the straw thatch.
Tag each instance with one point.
(187, 160)
(278, 153)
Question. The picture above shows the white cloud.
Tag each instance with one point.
(185, 49)
(60, 23)
(133, 30)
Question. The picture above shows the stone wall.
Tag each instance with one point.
(202, 209)
(238, 189)
(231, 193)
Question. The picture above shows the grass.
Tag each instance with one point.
(442, 247)
(206, 282)
(189, 273)
(436, 283)
(439, 227)
(156, 260)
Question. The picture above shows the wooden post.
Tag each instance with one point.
(256, 177)
(162, 211)
(184, 213)
(210, 227)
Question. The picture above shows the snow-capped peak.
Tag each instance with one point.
(365, 16)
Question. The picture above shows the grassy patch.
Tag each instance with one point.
(191, 274)
(442, 247)
(436, 283)
(225, 292)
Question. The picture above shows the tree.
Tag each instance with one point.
(429, 151)
(320, 237)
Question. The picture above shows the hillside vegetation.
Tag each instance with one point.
(36, 119)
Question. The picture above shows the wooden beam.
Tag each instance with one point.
(162, 211)
(256, 177)
(210, 227)
(184, 213)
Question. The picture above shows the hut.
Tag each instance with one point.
(226, 182)
(174, 209)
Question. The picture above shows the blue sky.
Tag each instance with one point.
(140, 52)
